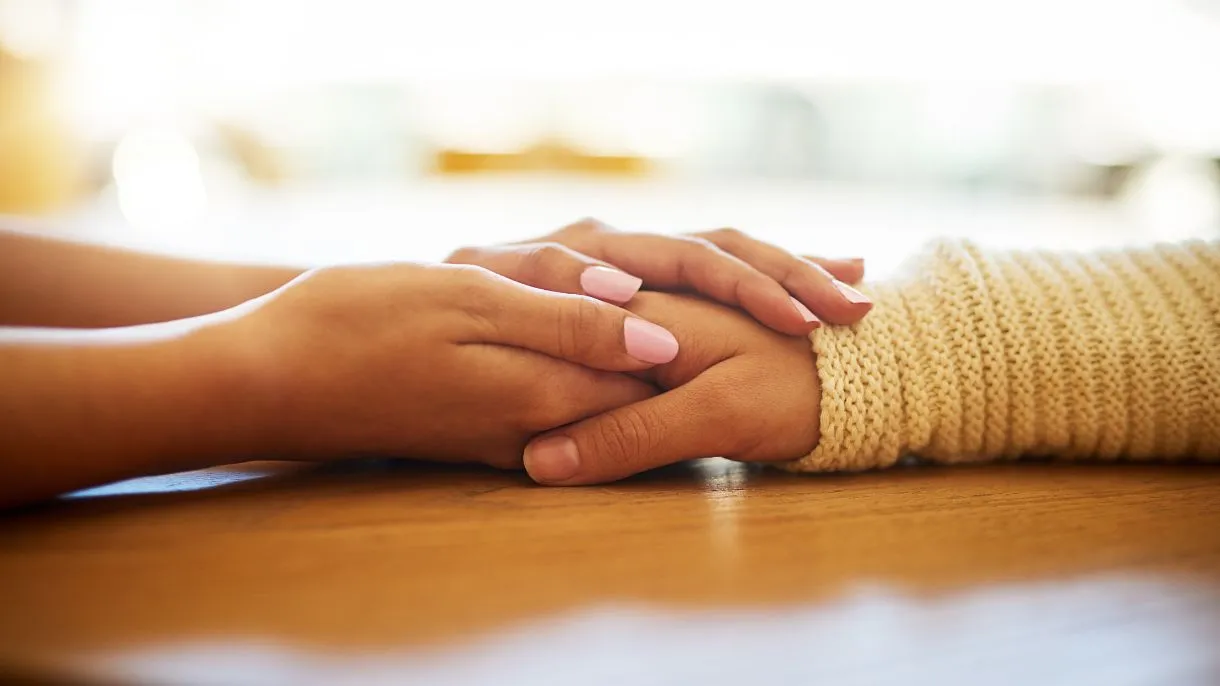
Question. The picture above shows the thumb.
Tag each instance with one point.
(685, 423)
(554, 267)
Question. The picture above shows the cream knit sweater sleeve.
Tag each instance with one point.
(973, 355)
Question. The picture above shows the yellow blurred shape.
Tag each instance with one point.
(546, 156)
(38, 164)
(261, 163)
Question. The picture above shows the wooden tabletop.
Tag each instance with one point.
(712, 572)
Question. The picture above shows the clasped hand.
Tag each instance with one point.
(472, 361)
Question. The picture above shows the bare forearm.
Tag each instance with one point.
(55, 283)
(85, 408)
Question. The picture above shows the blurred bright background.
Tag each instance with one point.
(363, 130)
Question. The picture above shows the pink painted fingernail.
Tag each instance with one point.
(808, 316)
(552, 459)
(605, 283)
(852, 295)
(648, 342)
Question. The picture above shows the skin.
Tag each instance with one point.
(724, 265)
(439, 384)
(735, 389)
(120, 364)
(44, 281)
(53, 283)
(441, 362)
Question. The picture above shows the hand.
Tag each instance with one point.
(738, 391)
(442, 362)
(725, 264)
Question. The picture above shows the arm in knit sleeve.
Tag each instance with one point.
(973, 355)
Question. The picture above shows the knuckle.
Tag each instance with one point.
(700, 260)
(578, 329)
(464, 255)
(584, 227)
(472, 291)
(552, 253)
(702, 248)
(588, 224)
(725, 237)
(626, 436)
(470, 280)
(543, 261)
(817, 269)
(790, 269)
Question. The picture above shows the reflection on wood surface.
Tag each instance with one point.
(710, 571)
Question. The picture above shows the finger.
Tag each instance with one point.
(573, 393)
(848, 270)
(830, 299)
(554, 267)
(538, 393)
(575, 328)
(681, 262)
(685, 423)
(559, 392)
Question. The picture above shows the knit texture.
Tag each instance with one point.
(974, 355)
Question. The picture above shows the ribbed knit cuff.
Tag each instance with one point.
(972, 356)
(862, 372)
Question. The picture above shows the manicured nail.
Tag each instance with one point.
(553, 459)
(605, 283)
(852, 295)
(648, 342)
(808, 316)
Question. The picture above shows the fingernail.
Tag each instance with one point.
(605, 283)
(808, 316)
(648, 342)
(552, 459)
(852, 295)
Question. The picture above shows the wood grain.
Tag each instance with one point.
(284, 572)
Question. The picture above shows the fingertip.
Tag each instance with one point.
(772, 305)
(552, 460)
(853, 316)
(832, 304)
(852, 295)
(808, 316)
(834, 301)
(842, 312)
(648, 342)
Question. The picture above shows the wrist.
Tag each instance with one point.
(85, 408)
(864, 390)
(225, 376)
